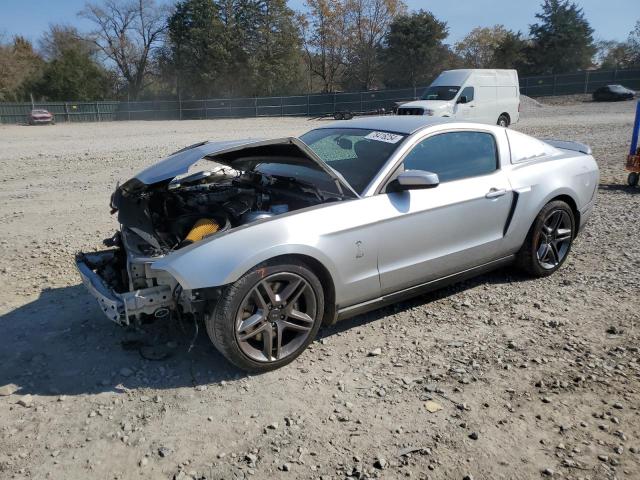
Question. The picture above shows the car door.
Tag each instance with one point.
(455, 226)
(465, 109)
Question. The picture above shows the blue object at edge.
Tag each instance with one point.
(636, 127)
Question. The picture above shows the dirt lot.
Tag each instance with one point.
(534, 378)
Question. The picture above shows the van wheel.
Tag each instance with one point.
(503, 120)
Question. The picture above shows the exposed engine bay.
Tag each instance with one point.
(173, 215)
(195, 194)
(230, 190)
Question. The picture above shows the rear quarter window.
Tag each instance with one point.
(525, 148)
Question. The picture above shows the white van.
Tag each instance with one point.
(486, 96)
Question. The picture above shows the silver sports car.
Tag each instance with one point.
(266, 240)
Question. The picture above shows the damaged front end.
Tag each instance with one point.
(168, 207)
(125, 286)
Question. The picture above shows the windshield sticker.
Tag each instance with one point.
(384, 137)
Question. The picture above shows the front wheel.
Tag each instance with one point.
(268, 317)
(549, 240)
(503, 120)
(632, 179)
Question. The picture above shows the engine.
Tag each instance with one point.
(189, 209)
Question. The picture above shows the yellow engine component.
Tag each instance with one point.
(202, 228)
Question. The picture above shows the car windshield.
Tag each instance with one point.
(358, 154)
(440, 93)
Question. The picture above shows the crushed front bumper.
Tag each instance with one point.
(121, 307)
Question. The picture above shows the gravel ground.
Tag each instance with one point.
(498, 377)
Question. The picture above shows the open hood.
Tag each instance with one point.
(240, 155)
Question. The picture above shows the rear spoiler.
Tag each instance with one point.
(567, 145)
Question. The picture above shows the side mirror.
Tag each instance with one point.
(414, 180)
(463, 99)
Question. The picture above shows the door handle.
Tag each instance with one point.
(495, 193)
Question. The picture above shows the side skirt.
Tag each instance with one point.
(353, 310)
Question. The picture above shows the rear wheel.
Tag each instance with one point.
(549, 241)
(268, 317)
(503, 120)
(632, 179)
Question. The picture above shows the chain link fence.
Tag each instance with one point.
(312, 105)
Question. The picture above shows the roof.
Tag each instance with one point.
(406, 124)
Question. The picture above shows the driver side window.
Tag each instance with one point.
(455, 155)
(467, 92)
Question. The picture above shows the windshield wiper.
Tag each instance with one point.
(302, 183)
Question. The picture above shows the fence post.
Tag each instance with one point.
(179, 107)
(98, 112)
(255, 105)
(335, 98)
(361, 104)
(586, 82)
(308, 107)
(66, 112)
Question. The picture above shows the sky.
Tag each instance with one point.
(611, 19)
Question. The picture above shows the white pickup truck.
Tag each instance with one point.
(485, 96)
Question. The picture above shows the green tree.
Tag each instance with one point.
(200, 52)
(413, 49)
(20, 67)
(562, 40)
(72, 71)
(73, 76)
(275, 45)
(511, 52)
(234, 47)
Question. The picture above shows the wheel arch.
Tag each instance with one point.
(506, 114)
(568, 199)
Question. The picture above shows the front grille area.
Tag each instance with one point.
(411, 111)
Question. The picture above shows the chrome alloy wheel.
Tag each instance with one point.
(554, 240)
(276, 317)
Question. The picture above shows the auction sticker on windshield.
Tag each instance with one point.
(384, 137)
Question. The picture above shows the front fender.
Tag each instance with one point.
(223, 260)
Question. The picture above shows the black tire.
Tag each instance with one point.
(338, 116)
(632, 179)
(504, 121)
(528, 258)
(224, 319)
(348, 115)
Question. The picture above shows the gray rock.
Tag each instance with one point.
(375, 352)
(8, 389)
(26, 401)
(380, 463)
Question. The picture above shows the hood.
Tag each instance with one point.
(431, 104)
(240, 155)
